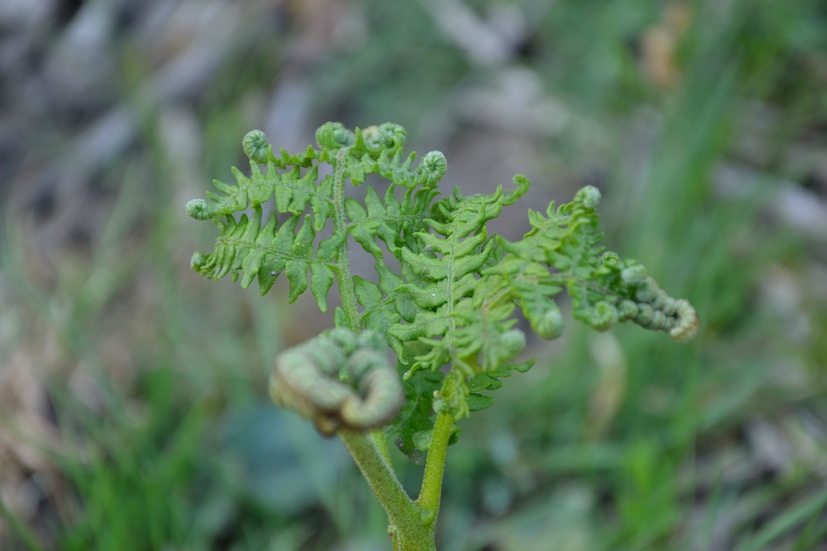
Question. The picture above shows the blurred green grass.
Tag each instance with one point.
(618, 442)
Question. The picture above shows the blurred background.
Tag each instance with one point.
(133, 409)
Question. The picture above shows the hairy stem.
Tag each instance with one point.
(405, 525)
(381, 444)
(343, 276)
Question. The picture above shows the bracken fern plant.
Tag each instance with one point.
(424, 344)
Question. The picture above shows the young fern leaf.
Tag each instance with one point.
(246, 249)
(442, 303)
(605, 289)
(413, 426)
(452, 303)
(489, 381)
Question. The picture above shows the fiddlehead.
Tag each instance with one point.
(339, 379)
(256, 147)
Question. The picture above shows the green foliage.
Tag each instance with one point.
(248, 250)
(413, 428)
(563, 250)
(455, 298)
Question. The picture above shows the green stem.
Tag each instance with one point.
(431, 492)
(343, 276)
(381, 444)
(405, 525)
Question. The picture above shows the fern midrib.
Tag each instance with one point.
(564, 278)
(452, 324)
(246, 244)
(344, 279)
(581, 252)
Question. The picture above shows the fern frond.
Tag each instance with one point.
(563, 250)
(442, 305)
(412, 428)
(247, 250)
(490, 381)
(452, 302)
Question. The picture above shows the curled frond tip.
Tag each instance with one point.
(339, 380)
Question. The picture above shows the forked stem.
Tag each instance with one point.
(406, 528)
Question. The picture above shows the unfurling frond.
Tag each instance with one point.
(339, 379)
(563, 251)
(446, 295)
